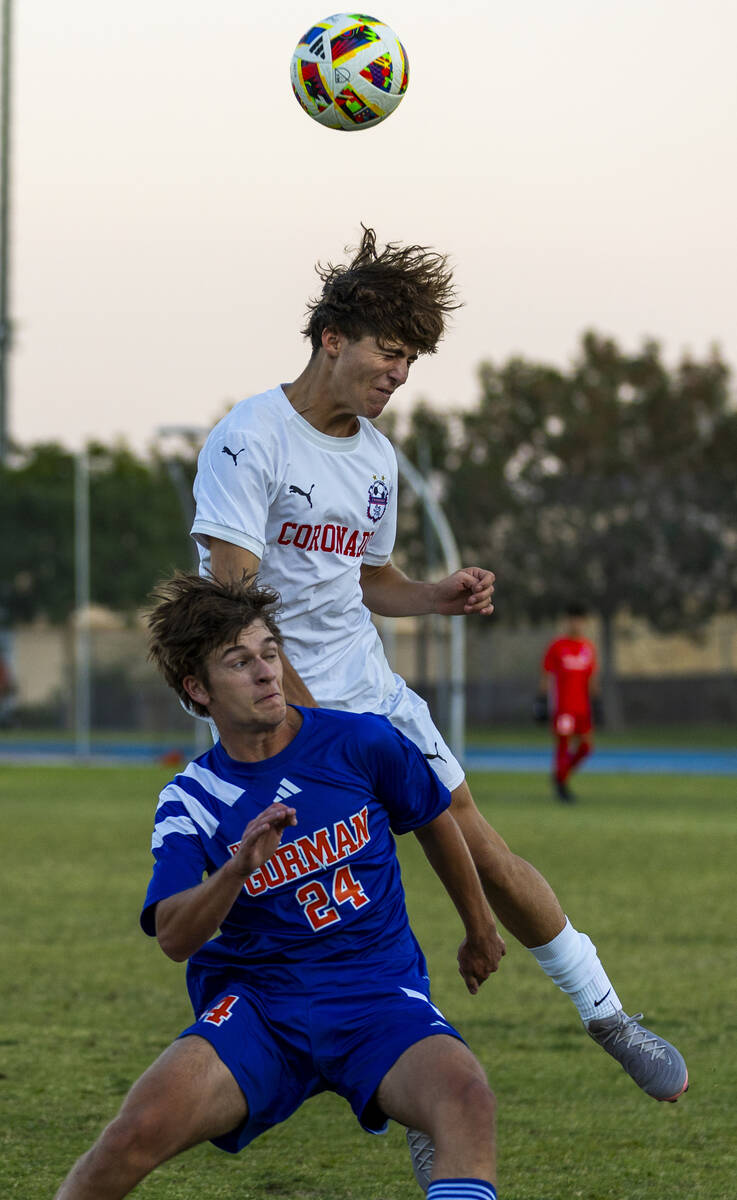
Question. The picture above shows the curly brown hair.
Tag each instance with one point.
(194, 614)
(401, 294)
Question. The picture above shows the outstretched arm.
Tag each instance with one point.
(228, 561)
(390, 593)
(185, 921)
(482, 949)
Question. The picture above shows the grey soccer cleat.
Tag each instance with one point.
(421, 1152)
(655, 1065)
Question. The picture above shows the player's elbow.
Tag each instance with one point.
(170, 938)
(172, 946)
(173, 951)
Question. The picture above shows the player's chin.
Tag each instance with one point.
(377, 403)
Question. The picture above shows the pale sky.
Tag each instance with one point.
(577, 160)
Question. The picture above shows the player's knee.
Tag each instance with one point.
(137, 1137)
(465, 1124)
(479, 1106)
(473, 1103)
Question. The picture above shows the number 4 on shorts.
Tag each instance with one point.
(222, 1011)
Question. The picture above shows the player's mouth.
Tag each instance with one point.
(384, 393)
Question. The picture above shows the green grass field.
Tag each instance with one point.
(704, 736)
(645, 864)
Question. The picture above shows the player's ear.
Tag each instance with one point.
(196, 690)
(332, 339)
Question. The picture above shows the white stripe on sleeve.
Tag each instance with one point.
(172, 825)
(197, 811)
(228, 793)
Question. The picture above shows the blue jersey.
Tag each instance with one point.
(331, 897)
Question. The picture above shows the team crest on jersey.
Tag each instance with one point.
(378, 498)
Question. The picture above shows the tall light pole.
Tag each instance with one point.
(82, 634)
(449, 548)
(192, 436)
(5, 327)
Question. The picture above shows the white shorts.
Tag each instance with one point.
(409, 713)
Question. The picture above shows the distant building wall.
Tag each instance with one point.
(40, 661)
(660, 678)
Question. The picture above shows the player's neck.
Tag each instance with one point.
(255, 745)
(312, 396)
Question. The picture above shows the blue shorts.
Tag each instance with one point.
(281, 1049)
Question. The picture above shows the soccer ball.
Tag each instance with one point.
(349, 71)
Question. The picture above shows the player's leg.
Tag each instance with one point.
(563, 761)
(584, 740)
(527, 906)
(519, 895)
(582, 751)
(438, 1086)
(186, 1097)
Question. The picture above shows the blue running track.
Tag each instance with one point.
(652, 762)
(649, 761)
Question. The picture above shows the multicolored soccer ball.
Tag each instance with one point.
(349, 71)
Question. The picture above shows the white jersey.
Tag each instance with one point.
(312, 508)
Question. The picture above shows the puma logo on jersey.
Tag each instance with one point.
(233, 453)
(437, 754)
(298, 491)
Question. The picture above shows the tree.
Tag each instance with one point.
(138, 532)
(37, 522)
(612, 484)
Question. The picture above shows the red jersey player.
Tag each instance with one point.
(569, 672)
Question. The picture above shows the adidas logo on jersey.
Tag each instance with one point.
(285, 791)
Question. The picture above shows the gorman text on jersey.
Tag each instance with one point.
(305, 855)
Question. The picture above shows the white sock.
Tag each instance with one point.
(571, 961)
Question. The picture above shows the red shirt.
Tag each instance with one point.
(572, 662)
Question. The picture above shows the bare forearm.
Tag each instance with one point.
(449, 857)
(186, 921)
(231, 563)
(388, 592)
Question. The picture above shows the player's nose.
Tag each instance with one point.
(399, 371)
